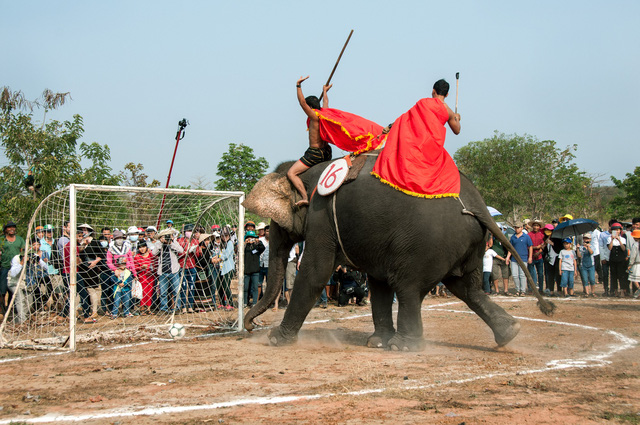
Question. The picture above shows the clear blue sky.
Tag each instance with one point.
(566, 71)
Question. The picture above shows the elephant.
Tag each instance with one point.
(405, 244)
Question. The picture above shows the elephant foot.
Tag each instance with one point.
(398, 343)
(505, 334)
(379, 340)
(277, 339)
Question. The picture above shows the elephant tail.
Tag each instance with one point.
(484, 217)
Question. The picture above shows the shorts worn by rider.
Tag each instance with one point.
(314, 156)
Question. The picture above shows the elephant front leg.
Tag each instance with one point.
(381, 309)
(315, 271)
(409, 335)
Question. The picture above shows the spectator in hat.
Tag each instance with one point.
(169, 224)
(263, 235)
(167, 250)
(524, 247)
(133, 236)
(567, 267)
(10, 246)
(90, 270)
(122, 279)
(39, 232)
(150, 234)
(536, 268)
(550, 252)
(555, 222)
(587, 265)
(566, 217)
(634, 263)
(617, 244)
(253, 247)
(120, 247)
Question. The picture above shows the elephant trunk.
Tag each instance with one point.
(279, 247)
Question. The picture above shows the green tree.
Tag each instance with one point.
(134, 175)
(627, 204)
(239, 169)
(524, 177)
(49, 151)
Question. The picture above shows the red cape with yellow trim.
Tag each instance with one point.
(414, 159)
(349, 132)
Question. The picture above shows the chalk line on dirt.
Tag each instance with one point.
(595, 360)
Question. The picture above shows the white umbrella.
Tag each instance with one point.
(494, 212)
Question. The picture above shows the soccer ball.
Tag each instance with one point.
(177, 331)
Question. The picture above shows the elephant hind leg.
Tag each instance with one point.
(381, 306)
(469, 289)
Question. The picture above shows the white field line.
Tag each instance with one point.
(595, 360)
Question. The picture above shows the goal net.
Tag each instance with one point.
(114, 289)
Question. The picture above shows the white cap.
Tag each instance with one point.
(152, 228)
(132, 230)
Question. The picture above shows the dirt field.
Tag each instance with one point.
(580, 366)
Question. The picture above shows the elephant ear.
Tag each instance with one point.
(273, 197)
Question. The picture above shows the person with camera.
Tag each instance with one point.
(253, 247)
(617, 244)
(27, 295)
(89, 271)
(37, 275)
(349, 286)
(167, 250)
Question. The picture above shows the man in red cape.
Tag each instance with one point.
(414, 159)
(347, 131)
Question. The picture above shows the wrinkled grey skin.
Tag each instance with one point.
(405, 244)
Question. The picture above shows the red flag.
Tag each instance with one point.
(348, 131)
(414, 159)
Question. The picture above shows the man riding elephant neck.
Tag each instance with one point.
(319, 150)
(414, 159)
(347, 131)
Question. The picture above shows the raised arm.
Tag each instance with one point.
(454, 121)
(303, 103)
(325, 99)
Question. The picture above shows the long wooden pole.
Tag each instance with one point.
(337, 62)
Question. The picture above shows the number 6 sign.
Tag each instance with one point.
(332, 177)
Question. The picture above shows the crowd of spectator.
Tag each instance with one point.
(137, 271)
(120, 273)
(606, 256)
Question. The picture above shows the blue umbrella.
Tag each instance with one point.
(574, 227)
(494, 212)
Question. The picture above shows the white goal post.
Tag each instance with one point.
(50, 309)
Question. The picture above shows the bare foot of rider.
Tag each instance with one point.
(302, 203)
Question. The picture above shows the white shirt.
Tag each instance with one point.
(595, 242)
(487, 260)
(292, 253)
